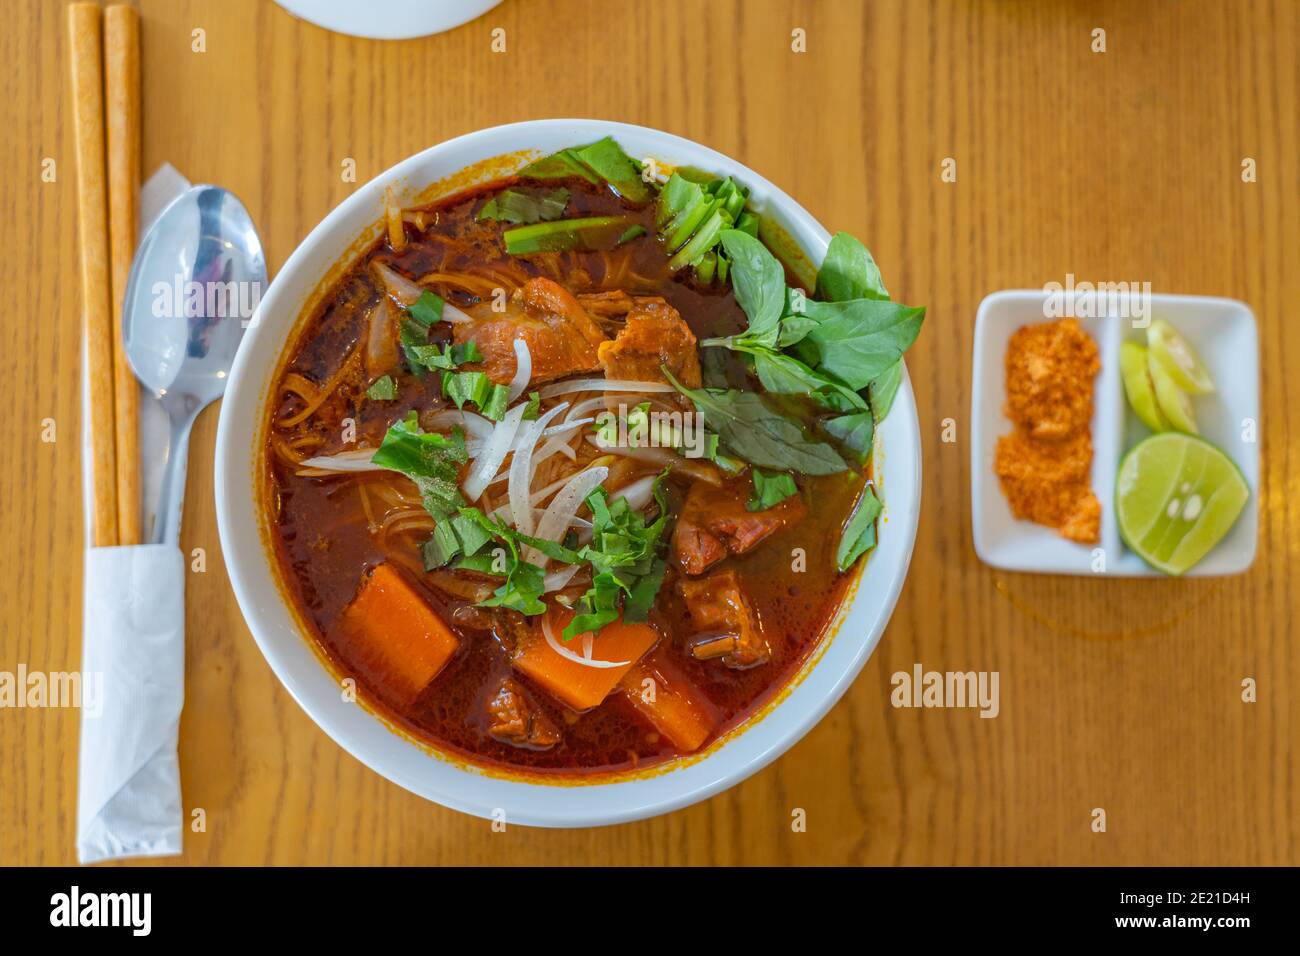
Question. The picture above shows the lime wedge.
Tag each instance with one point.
(1175, 404)
(1172, 352)
(1175, 498)
(1137, 385)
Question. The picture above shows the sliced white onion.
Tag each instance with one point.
(454, 315)
(566, 426)
(568, 655)
(403, 290)
(582, 525)
(639, 493)
(555, 522)
(696, 468)
(519, 484)
(558, 580)
(535, 498)
(523, 369)
(476, 426)
(602, 385)
(490, 459)
(354, 460)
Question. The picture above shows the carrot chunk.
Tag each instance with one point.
(400, 642)
(582, 686)
(670, 702)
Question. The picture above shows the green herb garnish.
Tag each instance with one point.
(860, 534)
(758, 434)
(770, 489)
(427, 310)
(382, 389)
(478, 389)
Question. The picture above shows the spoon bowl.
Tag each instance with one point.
(195, 283)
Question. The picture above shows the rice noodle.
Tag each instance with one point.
(322, 393)
(503, 435)
(570, 655)
(555, 522)
(519, 484)
(523, 369)
(602, 385)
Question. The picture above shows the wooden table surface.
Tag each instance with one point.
(1122, 165)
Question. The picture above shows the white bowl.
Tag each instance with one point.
(1223, 333)
(447, 779)
(387, 19)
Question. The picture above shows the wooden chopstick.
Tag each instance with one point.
(84, 50)
(122, 107)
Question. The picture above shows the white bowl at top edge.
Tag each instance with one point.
(387, 19)
(447, 780)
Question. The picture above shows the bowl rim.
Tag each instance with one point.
(443, 778)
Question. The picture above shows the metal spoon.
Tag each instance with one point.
(195, 281)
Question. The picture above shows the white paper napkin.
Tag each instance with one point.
(133, 640)
(129, 795)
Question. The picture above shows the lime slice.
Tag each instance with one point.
(1175, 404)
(1137, 385)
(1172, 352)
(1175, 498)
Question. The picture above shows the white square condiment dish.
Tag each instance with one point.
(1222, 331)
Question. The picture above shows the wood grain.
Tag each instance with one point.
(1118, 165)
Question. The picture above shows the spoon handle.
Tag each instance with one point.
(167, 524)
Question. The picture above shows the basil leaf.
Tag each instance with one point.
(856, 341)
(849, 272)
(859, 535)
(758, 281)
(883, 388)
(855, 432)
(783, 374)
(382, 389)
(759, 434)
(770, 489)
(427, 309)
(520, 207)
(794, 329)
